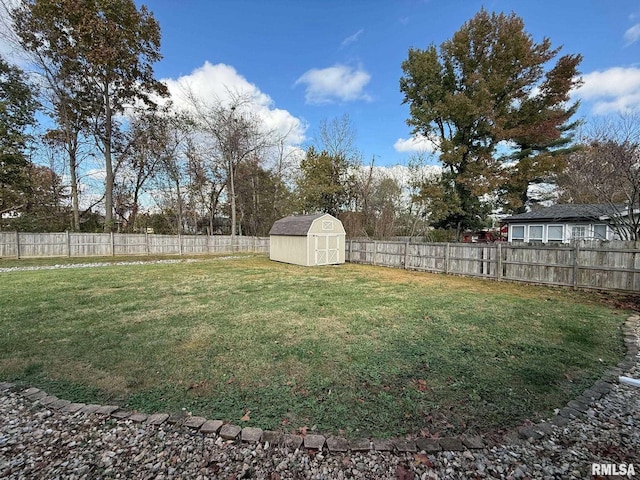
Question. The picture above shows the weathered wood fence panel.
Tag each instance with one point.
(598, 265)
(429, 257)
(164, 244)
(540, 264)
(89, 245)
(67, 244)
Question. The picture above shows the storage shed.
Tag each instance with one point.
(307, 240)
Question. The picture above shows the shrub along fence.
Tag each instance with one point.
(585, 264)
(67, 244)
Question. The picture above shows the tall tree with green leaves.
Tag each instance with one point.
(322, 184)
(17, 115)
(105, 51)
(488, 86)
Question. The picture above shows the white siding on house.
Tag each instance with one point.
(558, 232)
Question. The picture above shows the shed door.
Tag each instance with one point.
(327, 247)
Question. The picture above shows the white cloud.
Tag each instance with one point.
(416, 143)
(402, 174)
(632, 35)
(336, 83)
(352, 38)
(614, 90)
(220, 83)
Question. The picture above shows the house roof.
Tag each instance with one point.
(294, 225)
(567, 212)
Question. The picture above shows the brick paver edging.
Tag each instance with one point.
(575, 408)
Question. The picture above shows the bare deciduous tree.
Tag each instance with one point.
(235, 134)
(607, 172)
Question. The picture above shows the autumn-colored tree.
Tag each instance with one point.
(45, 210)
(105, 51)
(487, 86)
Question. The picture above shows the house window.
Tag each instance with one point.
(517, 233)
(555, 233)
(535, 233)
(578, 231)
(600, 232)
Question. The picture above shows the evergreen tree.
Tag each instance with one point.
(17, 115)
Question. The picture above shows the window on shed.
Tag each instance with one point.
(555, 233)
(517, 233)
(600, 232)
(535, 233)
(327, 225)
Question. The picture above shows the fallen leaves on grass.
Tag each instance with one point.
(422, 385)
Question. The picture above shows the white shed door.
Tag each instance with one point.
(327, 247)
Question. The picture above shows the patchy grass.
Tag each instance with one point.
(351, 349)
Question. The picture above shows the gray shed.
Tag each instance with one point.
(307, 240)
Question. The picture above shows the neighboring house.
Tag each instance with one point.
(564, 223)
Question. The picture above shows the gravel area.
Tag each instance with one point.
(106, 264)
(41, 442)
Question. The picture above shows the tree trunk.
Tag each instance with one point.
(232, 194)
(75, 226)
(108, 192)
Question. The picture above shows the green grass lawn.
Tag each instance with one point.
(351, 349)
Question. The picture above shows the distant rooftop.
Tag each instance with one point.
(567, 212)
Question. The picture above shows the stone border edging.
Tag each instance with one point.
(228, 432)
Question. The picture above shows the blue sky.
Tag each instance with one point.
(308, 61)
(305, 61)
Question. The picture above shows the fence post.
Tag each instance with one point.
(576, 265)
(375, 251)
(350, 252)
(499, 259)
(68, 243)
(17, 245)
(447, 253)
(406, 255)
(146, 240)
(113, 245)
(632, 265)
(179, 244)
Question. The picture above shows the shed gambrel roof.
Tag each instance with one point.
(295, 225)
(568, 212)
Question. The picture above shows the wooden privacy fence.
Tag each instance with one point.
(597, 265)
(67, 244)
